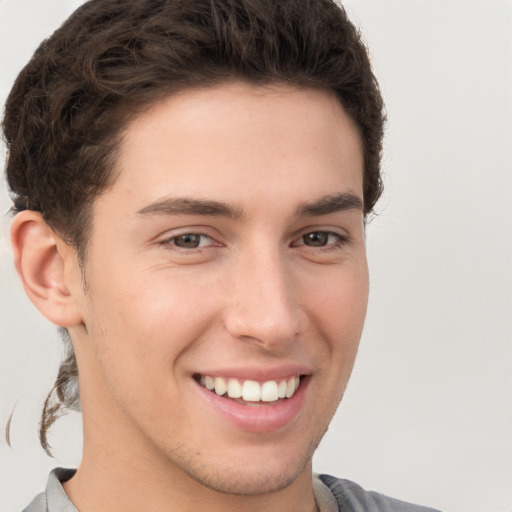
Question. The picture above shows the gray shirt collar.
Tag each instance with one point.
(55, 499)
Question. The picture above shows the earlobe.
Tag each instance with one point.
(43, 262)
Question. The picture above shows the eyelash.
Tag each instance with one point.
(340, 240)
(171, 241)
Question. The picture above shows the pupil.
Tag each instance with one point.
(188, 241)
(316, 239)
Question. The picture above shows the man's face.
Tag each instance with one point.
(230, 251)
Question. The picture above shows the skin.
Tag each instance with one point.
(254, 295)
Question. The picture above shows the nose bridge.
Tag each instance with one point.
(263, 304)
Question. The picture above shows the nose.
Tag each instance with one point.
(262, 303)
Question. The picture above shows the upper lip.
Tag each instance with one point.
(260, 374)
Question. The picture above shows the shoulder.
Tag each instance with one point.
(353, 498)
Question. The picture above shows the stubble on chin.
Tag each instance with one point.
(239, 478)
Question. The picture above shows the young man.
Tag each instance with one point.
(192, 180)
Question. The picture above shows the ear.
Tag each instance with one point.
(48, 268)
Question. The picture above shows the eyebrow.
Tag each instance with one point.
(329, 204)
(188, 206)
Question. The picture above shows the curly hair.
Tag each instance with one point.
(67, 110)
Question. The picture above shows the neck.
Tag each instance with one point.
(123, 470)
(117, 474)
(106, 485)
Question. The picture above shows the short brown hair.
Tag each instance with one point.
(65, 115)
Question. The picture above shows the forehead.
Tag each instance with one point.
(243, 140)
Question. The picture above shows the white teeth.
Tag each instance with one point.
(234, 388)
(251, 390)
(269, 391)
(209, 382)
(281, 389)
(220, 386)
(290, 387)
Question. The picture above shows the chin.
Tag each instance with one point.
(264, 475)
(248, 485)
(247, 481)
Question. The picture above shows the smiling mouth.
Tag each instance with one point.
(250, 392)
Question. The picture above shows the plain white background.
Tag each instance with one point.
(427, 416)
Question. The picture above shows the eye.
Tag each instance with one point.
(320, 239)
(191, 241)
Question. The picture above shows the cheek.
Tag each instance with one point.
(337, 312)
(339, 300)
(148, 323)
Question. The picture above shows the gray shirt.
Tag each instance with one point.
(331, 495)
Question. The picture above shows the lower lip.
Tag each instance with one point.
(258, 418)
